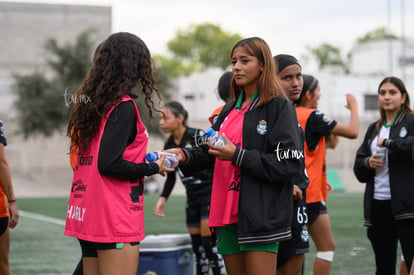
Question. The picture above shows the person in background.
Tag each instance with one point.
(317, 127)
(291, 253)
(105, 210)
(223, 90)
(198, 190)
(385, 163)
(9, 214)
(251, 202)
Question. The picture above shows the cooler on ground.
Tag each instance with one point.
(166, 254)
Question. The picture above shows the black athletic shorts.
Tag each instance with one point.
(299, 243)
(315, 209)
(198, 204)
(4, 224)
(90, 249)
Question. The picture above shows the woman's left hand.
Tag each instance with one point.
(297, 193)
(225, 152)
(331, 141)
(330, 188)
(14, 214)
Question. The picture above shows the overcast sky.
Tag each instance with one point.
(289, 26)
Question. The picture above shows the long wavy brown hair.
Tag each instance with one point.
(268, 84)
(120, 63)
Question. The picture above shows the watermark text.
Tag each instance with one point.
(288, 153)
(74, 99)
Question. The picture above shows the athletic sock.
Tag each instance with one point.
(202, 262)
(215, 260)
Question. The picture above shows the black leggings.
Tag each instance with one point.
(384, 235)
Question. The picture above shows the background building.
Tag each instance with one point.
(38, 163)
(24, 29)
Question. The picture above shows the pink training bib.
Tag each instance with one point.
(104, 208)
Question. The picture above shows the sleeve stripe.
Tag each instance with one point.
(239, 158)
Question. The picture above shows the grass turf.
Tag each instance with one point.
(39, 247)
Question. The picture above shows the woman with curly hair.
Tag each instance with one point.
(105, 209)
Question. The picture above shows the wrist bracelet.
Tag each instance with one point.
(12, 201)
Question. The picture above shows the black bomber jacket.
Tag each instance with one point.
(400, 147)
(269, 160)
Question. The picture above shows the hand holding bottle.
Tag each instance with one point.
(162, 167)
(214, 137)
(171, 160)
(378, 159)
(178, 152)
(224, 152)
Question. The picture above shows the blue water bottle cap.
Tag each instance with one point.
(209, 132)
(150, 157)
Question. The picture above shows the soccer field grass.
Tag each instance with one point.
(38, 245)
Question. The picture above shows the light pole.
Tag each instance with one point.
(390, 63)
(404, 60)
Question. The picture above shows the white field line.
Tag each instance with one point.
(39, 217)
(44, 218)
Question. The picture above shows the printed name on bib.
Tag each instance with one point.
(76, 213)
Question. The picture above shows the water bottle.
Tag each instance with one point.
(214, 137)
(381, 151)
(171, 160)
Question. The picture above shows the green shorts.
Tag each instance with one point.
(227, 242)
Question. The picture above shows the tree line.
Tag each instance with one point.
(44, 103)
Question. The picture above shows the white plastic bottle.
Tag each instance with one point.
(171, 160)
(214, 137)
